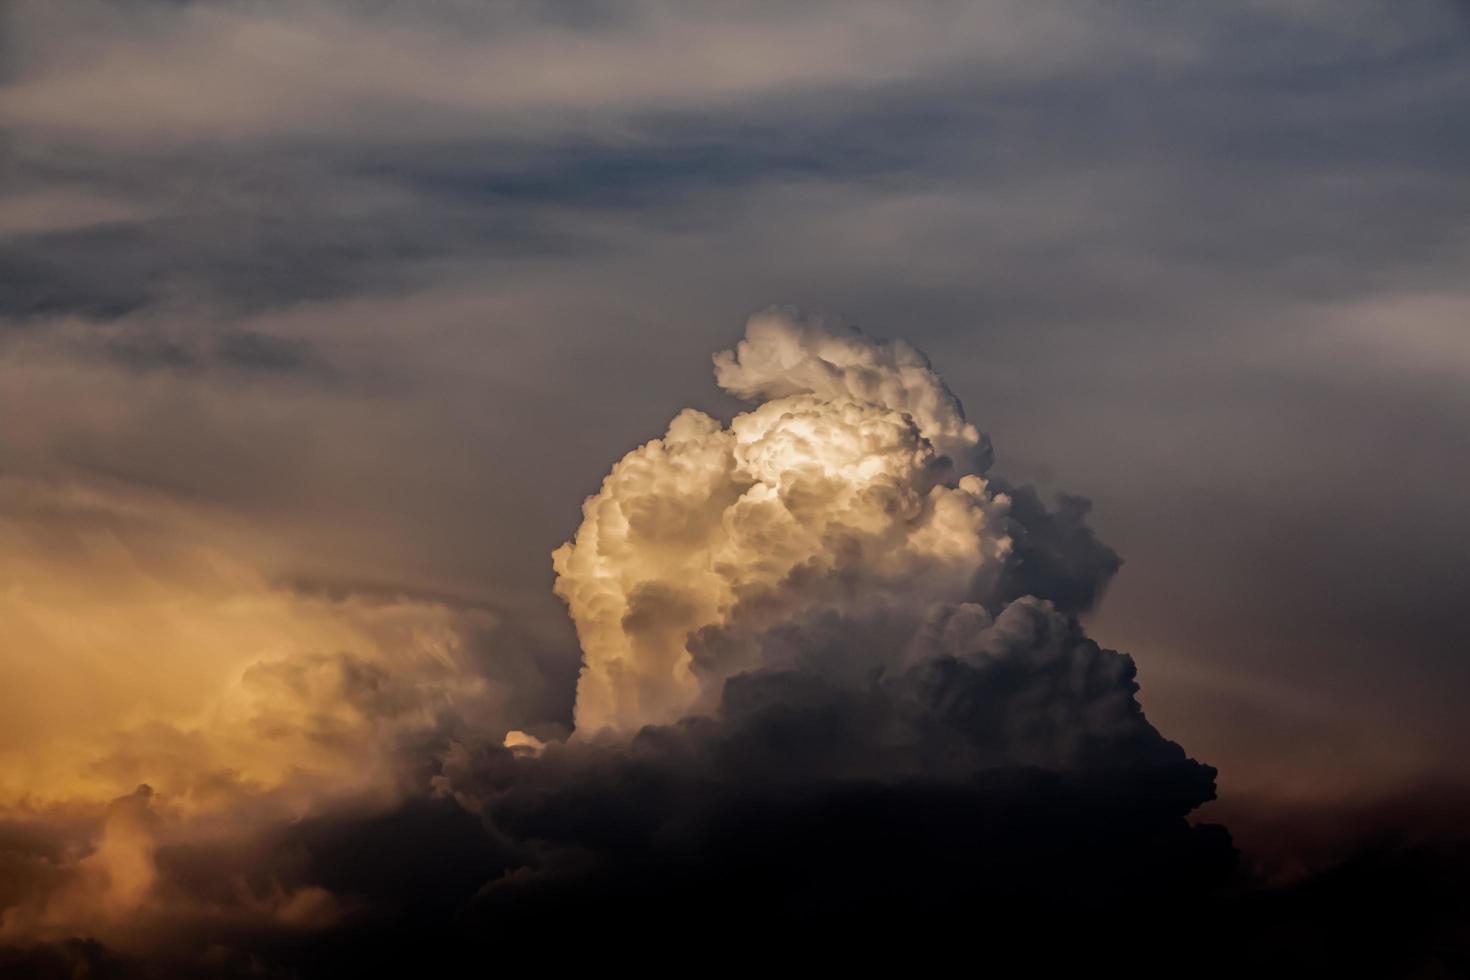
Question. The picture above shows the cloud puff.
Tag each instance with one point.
(174, 659)
(785, 352)
(854, 490)
(190, 699)
(832, 495)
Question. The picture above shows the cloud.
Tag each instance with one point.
(189, 698)
(42, 211)
(239, 72)
(195, 664)
(837, 491)
(855, 488)
(807, 688)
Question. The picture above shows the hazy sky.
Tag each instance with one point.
(318, 321)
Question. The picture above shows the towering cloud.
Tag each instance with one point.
(833, 684)
(854, 488)
(832, 670)
(852, 495)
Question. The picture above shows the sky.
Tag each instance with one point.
(320, 321)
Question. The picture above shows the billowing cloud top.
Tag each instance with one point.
(841, 531)
(787, 353)
(853, 486)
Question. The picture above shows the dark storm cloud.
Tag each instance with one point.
(1057, 554)
(432, 890)
(716, 828)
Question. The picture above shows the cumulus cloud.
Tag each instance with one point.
(198, 669)
(166, 691)
(854, 492)
(808, 682)
(785, 352)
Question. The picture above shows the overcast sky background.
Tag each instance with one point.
(374, 294)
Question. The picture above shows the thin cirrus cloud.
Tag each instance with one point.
(236, 71)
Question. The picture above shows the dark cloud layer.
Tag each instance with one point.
(643, 857)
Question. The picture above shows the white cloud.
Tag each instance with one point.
(835, 494)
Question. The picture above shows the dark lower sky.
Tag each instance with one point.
(319, 321)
